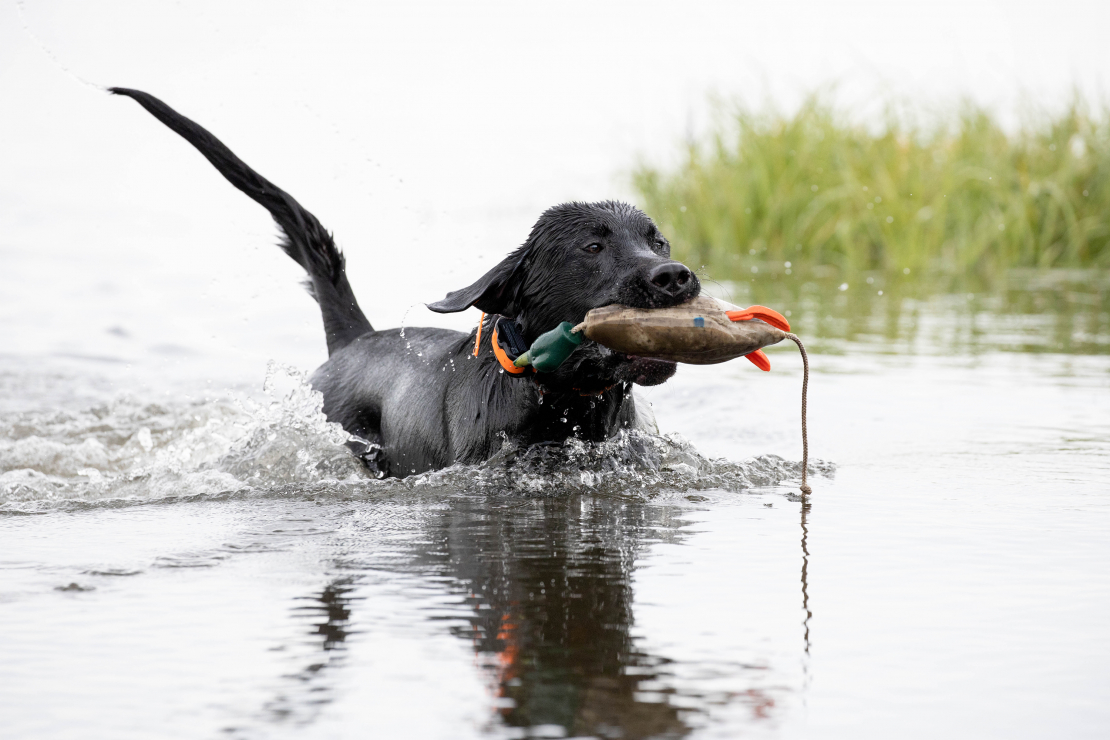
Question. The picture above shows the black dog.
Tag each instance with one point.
(424, 400)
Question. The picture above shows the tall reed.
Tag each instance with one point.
(815, 192)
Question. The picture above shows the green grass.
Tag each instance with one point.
(815, 194)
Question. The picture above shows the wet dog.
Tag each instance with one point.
(429, 398)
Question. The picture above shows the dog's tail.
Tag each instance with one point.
(305, 240)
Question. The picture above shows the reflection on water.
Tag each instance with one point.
(550, 581)
(332, 607)
(1064, 311)
(544, 599)
(308, 690)
(805, 507)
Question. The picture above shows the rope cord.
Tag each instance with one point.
(805, 489)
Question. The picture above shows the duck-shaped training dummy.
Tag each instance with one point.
(702, 331)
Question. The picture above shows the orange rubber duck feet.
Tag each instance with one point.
(767, 316)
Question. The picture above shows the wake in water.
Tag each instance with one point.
(131, 451)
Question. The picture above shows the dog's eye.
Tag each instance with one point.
(592, 249)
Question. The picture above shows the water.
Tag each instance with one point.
(221, 567)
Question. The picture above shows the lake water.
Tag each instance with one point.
(205, 560)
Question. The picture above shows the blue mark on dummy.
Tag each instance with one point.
(699, 321)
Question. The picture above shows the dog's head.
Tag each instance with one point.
(582, 256)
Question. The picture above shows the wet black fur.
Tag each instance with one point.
(422, 401)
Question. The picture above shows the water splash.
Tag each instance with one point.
(134, 452)
(632, 463)
(131, 450)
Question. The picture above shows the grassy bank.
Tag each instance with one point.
(814, 194)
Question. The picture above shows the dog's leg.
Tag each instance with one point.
(306, 241)
(370, 452)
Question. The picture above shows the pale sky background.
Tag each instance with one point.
(428, 136)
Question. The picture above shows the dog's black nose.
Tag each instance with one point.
(671, 277)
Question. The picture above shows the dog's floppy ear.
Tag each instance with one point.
(494, 292)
